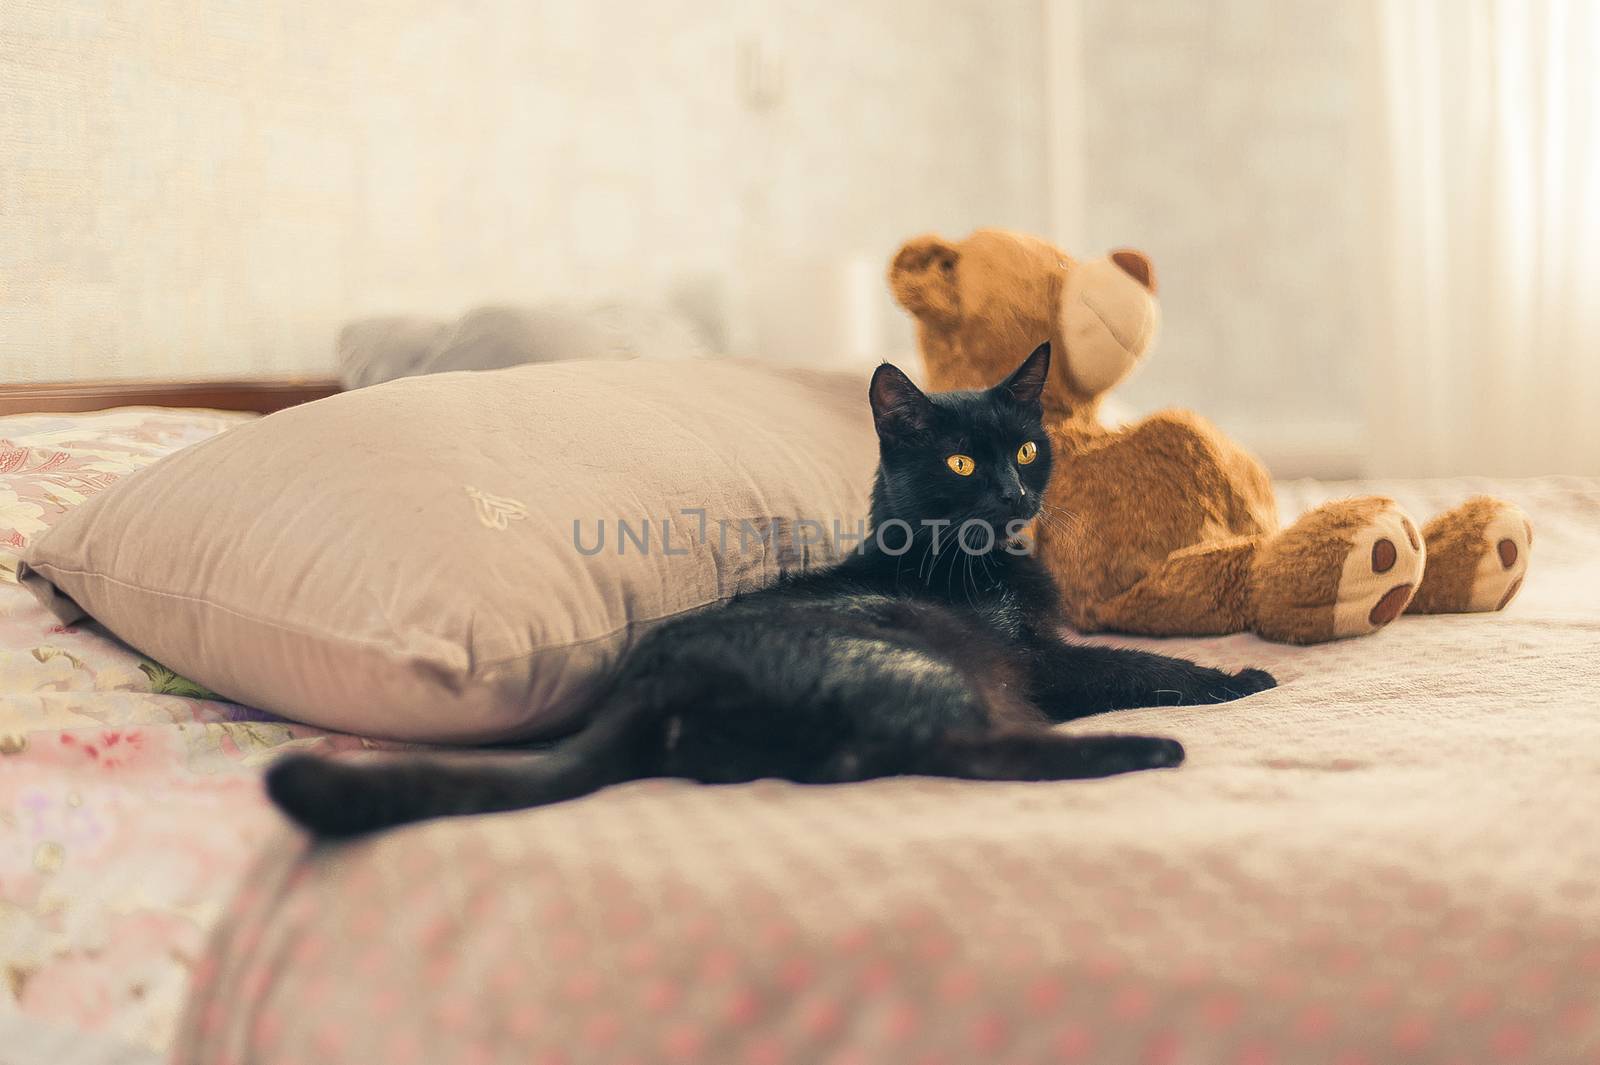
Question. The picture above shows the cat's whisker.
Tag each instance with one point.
(929, 558)
(1071, 527)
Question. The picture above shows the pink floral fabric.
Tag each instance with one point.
(129, 797)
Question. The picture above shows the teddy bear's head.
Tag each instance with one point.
(984, 302)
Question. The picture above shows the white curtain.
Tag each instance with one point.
(1486, 355)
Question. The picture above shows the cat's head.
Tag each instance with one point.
(961, 456)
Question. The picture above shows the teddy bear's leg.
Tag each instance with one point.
(1477, 556)
(1346, 568)
(1203, 590)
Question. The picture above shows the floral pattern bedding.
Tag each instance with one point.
(129, 797)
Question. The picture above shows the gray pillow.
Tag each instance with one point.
(373, 350)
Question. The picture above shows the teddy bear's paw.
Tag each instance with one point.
(1477, 557)
(1497, 578)
(1380, 573)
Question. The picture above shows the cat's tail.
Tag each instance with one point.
(340, 799)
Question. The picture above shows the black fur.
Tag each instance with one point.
(943, 660)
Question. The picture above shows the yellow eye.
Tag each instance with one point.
(962, 464)
(1027, 452)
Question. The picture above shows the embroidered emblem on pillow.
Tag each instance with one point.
(496, 512)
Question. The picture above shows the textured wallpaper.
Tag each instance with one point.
(1221, 136)
(200, 187)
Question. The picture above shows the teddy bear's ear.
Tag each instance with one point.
(1137, 266)
(923, 280)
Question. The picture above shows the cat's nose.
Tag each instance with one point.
(1011, 487)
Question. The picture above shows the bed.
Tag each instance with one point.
(1390, 857)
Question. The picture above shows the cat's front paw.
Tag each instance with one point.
(1253, 680)
(1158, 753)
(1243, 683)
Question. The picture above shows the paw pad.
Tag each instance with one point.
(1388, 608)
(1508, 553)
(1511, 593)
(1380, 573)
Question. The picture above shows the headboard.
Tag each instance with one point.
(258, 394)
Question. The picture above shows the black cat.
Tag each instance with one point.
(943, 658)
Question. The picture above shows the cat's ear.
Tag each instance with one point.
(1026, 383)
(899, 407)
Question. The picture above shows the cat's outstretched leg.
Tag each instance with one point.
(1043, 755)
(1074, 680)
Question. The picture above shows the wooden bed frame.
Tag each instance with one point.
(264, 395)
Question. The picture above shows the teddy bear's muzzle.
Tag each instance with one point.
(1108, 319)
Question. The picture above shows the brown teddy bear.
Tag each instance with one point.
(1165, 526)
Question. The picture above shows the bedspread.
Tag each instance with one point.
(1390, 857)
(129, 798)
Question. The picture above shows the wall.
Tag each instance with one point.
(203, 187)
(1222, 137)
